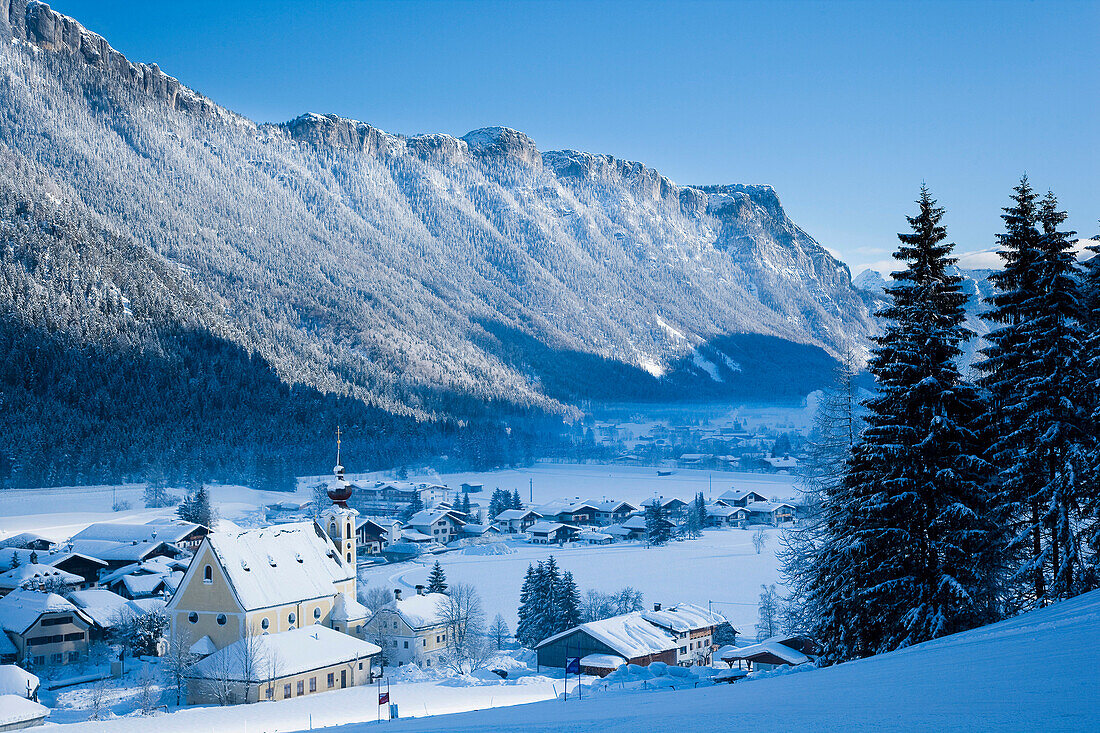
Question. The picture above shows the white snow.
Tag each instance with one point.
(16, 680)
(629, 634)
(286, 653)
(16, 709)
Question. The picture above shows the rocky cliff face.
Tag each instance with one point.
(404, 269)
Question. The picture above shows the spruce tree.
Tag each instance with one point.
(1009, 311)
(437, 579)
(416, 505)
(569, 604)
(525, 629)
(916, 553)
(656, 526)
(517, 503)
(465, 507)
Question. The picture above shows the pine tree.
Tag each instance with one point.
(914, 552)
(197, 508)
(656, 523)
(528, 612)
(1009, 311)
(465, 507)
(517, 503)
(569, 604)
(1090, 318)
(437, 579)
(416, 505)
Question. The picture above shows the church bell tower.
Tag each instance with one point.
(338, 519)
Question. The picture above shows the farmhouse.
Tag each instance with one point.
(515, 521)
(628, 636)
(766, 512)
(44, 628)
(735, 497)
(372, 536)
(613, 512)
(441, 524)
(692, 627)
(282, 666)
(548, 533)
(412, 629)
(721, 515)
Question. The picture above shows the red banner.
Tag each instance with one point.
(383, 698)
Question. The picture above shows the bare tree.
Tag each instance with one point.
(767, 625)
(467, 648)
(760, 540)
(218, 678)
(97, 701)
(375, 597)
(177, 662)
(499, 632)
(148, 692)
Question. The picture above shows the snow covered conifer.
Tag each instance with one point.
(656, 527)
(525, 629)
(437, 579)
(915, 553)
(569, 614)
(517, 503)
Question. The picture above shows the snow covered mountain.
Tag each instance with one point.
(426, 275)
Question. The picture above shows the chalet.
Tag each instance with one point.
(39, 577)
(637, 527)
(28, 541)
(692, 627)
(373, 535)
(272, 580)
(473, 530)
(294, 663)
(721, 515)
(441, 524)
(413, 629)
(575, 512)
(770, 653)
(120, 554)
(736, 497)
(550, 533)
(515, 521)
(766, 512)
(673, 507)
(184, 535)
(44, 628)
(629, 637)
(88, 568)
(613, 512)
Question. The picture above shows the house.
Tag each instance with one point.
(120, 554)
(549, 533)
(472, 488)
(592, 537)
(628, 636)
(692, 627)
(770, 653)
(440, 524)
(18, 712)
(44, 628)
(636, 527)
(690, 460)
(515, 521)
(281, 666)
(736, 497)
(36, 576)
(107, 610)
(575, 512)
(673, 507)
(273, 579)
(184, 535)
(613, 512)
(371, 535)
(766, 512)
(473, 530)
(432, 495)
(721, 515)
(28, 541)
(158, 576)
(412, 629)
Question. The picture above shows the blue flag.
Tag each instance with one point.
(573, 665)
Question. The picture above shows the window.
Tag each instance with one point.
(331, 679)
(39, 661)
(74, 656)
(349, 557)
(301, 687)
(313, 684)
(286, 691)
(57, 621)
(264, 623)
(406, 645)
(75, 636)
(683, 650)
(395, 643)
(360, 665)
(429, 662)
(55, 658)
(222, 619)
(423, 642)
(208, 575)
(291, 618)
(193, 617)
(317, 612)
(348, 533)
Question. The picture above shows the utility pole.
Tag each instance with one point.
(531, 490)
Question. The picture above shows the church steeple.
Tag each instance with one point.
(338, 520)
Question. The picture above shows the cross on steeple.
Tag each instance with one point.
(337, 445)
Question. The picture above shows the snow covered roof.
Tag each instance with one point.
(46, 557)
(36, 575)
(112, 551)
(287, 653)
(662, 501)
(721, 510)
(589, 536)
(602, 661)
(428, 517)
(17, 711)
(349, 609)
(479, 529)
(560, 507)
(7, 648)
(413, 536)
(547, 527)
(105, 608)
(766, 507)
(203, 647)
(281, 564)
(629, 635)
(684, 617)
(16, 680)
(614, 506)
(773, 647)
(739, 494)
(21, 608)
(152, 532)
(23, 539)
(419, 611)
(510, 514)
(634, 523)
(616, 530)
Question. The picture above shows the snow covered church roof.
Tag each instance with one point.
(629, 635)
(284, 563)
(281, 655)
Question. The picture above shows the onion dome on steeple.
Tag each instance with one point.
(339, 492)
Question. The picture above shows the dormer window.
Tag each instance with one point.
(208, 575)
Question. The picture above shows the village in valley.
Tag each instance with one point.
(401, 589)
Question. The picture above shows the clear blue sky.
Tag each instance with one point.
(843, 107)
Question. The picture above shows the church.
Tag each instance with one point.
(273, 580)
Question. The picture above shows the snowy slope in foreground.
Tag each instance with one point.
(1029, 673)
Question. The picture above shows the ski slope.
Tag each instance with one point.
(1033, 672)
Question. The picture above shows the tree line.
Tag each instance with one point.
(944, 502)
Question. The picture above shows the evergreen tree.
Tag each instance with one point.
(569, 604)
(525, 629)
(914, 553)
(517, 503)
(1010, 310)
(196, 508)
(1090, 318)
(437, 580)
(656, 523)
(499, 502)
(416, 505)
(465, 506)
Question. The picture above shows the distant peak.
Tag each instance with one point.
(503, 142)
